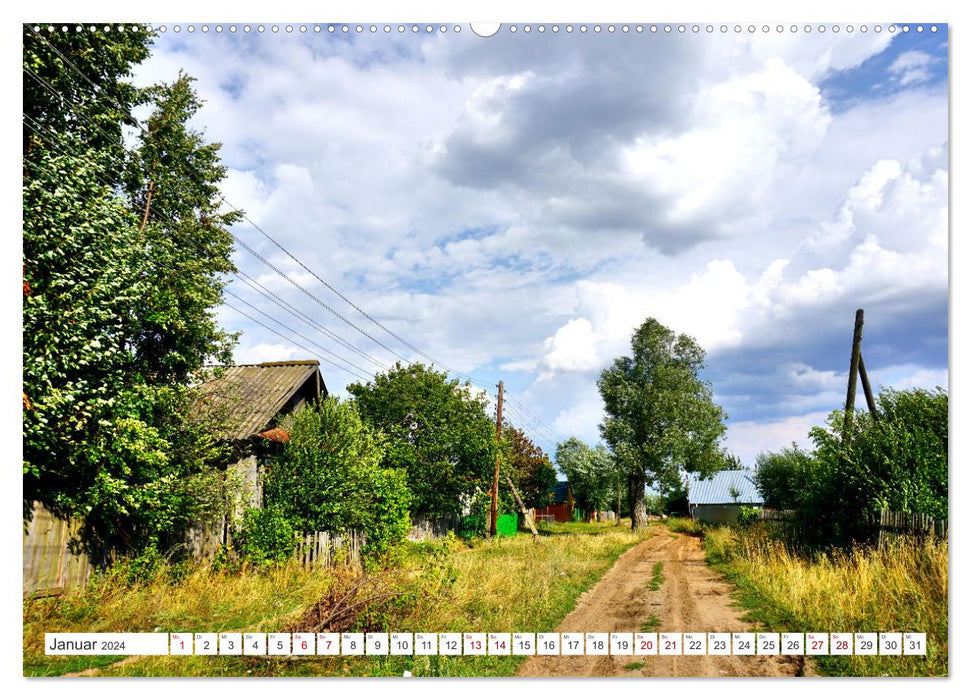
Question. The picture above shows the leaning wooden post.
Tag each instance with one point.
(522, 507)
(867, 392)
(854, 370)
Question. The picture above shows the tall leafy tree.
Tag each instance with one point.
(439, 435)
(77, 85)
(591, 472)
(117, 307)
(897, 460)
(660, 416)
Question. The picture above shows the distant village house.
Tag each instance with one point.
(719, 498)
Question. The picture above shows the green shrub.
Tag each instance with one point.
(266, 536)
(330, 478)
(748, 515)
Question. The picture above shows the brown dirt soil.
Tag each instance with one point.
(693, 598)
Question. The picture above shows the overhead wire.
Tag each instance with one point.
(520, 411)
(37, 128)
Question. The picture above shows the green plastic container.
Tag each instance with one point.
(507, 525)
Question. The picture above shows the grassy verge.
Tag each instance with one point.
(901, 587)
(509, 585)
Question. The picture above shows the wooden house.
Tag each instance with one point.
(248, 401)
(561, 504)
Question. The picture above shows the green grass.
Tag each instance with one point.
(657, 578)
(688, 526)
(651, 624)
(509, 585)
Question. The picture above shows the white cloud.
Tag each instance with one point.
(749, 438)
(521, 206)
(911, 67)
(572, 348)
(267, 352)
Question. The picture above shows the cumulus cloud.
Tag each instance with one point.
(749, 439)
(520, 204)
(911, 67)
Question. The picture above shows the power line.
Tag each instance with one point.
(299, 335)
(270, 238)
(37, 128)
(260, 323)
(236, 238)
(294, 311)
(536, 423)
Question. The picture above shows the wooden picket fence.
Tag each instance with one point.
(891, 524)
(883, 526)
(321, 549)
(429, 529)
(51, 566)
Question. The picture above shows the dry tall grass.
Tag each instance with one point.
(516, 584)
(509, 585)
(899, 587)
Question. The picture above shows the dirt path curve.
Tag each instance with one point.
(693, 598)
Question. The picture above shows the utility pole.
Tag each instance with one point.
(854, 371)
(494, 510)
(867, 391)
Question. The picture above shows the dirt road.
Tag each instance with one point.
(692, 598)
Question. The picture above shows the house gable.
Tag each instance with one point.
(247, 399)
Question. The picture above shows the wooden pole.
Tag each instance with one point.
(854, 371)
(522, 507)
(867, 392)
(494, 509)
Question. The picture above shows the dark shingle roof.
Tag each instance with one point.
(718, 488)
(248, 397)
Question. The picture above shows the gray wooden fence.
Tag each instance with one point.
(49, 564)
(317, 549)
(51, 567)
(891, 524)
(428, 529)
(883, 526)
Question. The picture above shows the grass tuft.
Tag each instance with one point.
(657, 578)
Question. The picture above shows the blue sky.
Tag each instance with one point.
(515, 206)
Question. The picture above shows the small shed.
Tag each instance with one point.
(247, 403)
(720, 497)
(561, 504)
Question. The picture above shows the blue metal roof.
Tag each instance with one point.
(718, 488)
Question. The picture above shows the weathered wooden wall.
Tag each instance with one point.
(51, 567)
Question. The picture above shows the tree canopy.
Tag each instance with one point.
(896, 460)
(591, 471)
(660, 416)
(330, 477)
(438, 434)
(118, 296)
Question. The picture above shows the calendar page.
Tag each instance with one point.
(417, 347)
